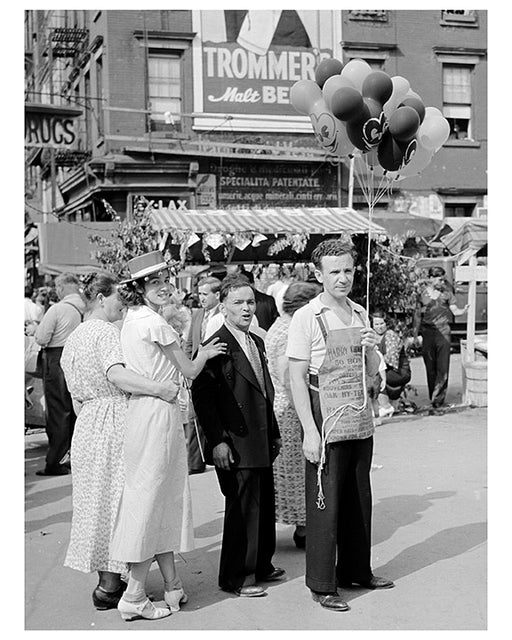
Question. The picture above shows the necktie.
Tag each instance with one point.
(204, 322)
(253, 356)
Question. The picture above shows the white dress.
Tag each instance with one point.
(155, 513)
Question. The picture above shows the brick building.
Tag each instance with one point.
(191, 109)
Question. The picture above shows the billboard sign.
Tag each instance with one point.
(250, 59)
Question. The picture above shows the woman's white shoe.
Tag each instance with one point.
(386, 412)
(174, 597)
(145, 609)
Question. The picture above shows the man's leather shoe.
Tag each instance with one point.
(372, 583)
(59, 470)
(104, 600)
(330, 601)
(273, 576)
(251, 591)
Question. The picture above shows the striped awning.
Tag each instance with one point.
(330, 220)
(471, 235)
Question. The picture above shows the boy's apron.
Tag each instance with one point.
(338, 395)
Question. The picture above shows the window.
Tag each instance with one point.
(164, 89)
(459, 210)
(457, 99)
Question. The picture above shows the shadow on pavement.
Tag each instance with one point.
(390, 514)
(443, 545)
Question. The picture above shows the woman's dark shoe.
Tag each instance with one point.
(300, 541)
(103, 600)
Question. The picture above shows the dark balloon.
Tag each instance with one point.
(389, 153)
(416, 104)
(403, 123)
(365, 131)
(355, 134)
(347, 103)
(326, 69)
(377, 85)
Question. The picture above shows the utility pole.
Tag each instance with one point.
(53, 177)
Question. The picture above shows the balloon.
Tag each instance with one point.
(356, 70)
(400, 88)
(413, 94)
(327, 68)
(346, 103)
(433, 111)
(303, 96)
(366, 131)
(418, 162)
(416, 104)
(377, 85)
(434, 132)
(409, 148)
(403, 123)
(329, 131)
(332, 84)
(389, 153)
(374, 107)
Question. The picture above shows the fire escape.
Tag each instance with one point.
(65, 44)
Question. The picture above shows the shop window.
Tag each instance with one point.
(459, 210)
(457, 100)
(165, 91)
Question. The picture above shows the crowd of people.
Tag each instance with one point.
(279, 391)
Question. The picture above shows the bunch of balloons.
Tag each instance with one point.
(356, 110)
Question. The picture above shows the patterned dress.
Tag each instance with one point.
(289, 464)
(155, 513)
(97, 444)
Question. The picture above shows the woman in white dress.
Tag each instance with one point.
(99, 383)
(155, 514)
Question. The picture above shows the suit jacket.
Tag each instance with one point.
(231, 406)
(193, 340)
(266, 310)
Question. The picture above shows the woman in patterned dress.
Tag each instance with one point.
(93, 364)
(289, 466)
(155, 514)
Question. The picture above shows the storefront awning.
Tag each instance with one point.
(330, 220)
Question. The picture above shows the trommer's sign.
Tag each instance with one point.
(251, 58)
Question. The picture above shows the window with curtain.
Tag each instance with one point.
(164, 89)
(457, 99)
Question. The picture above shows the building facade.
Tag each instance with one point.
(191, 109)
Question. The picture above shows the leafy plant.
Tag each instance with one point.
(132, 238)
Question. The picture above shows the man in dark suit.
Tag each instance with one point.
(233, 399)
(208, 289)
(266, 309)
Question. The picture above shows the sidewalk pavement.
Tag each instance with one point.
(429, 481)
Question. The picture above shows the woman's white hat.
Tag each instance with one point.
(145, 265)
